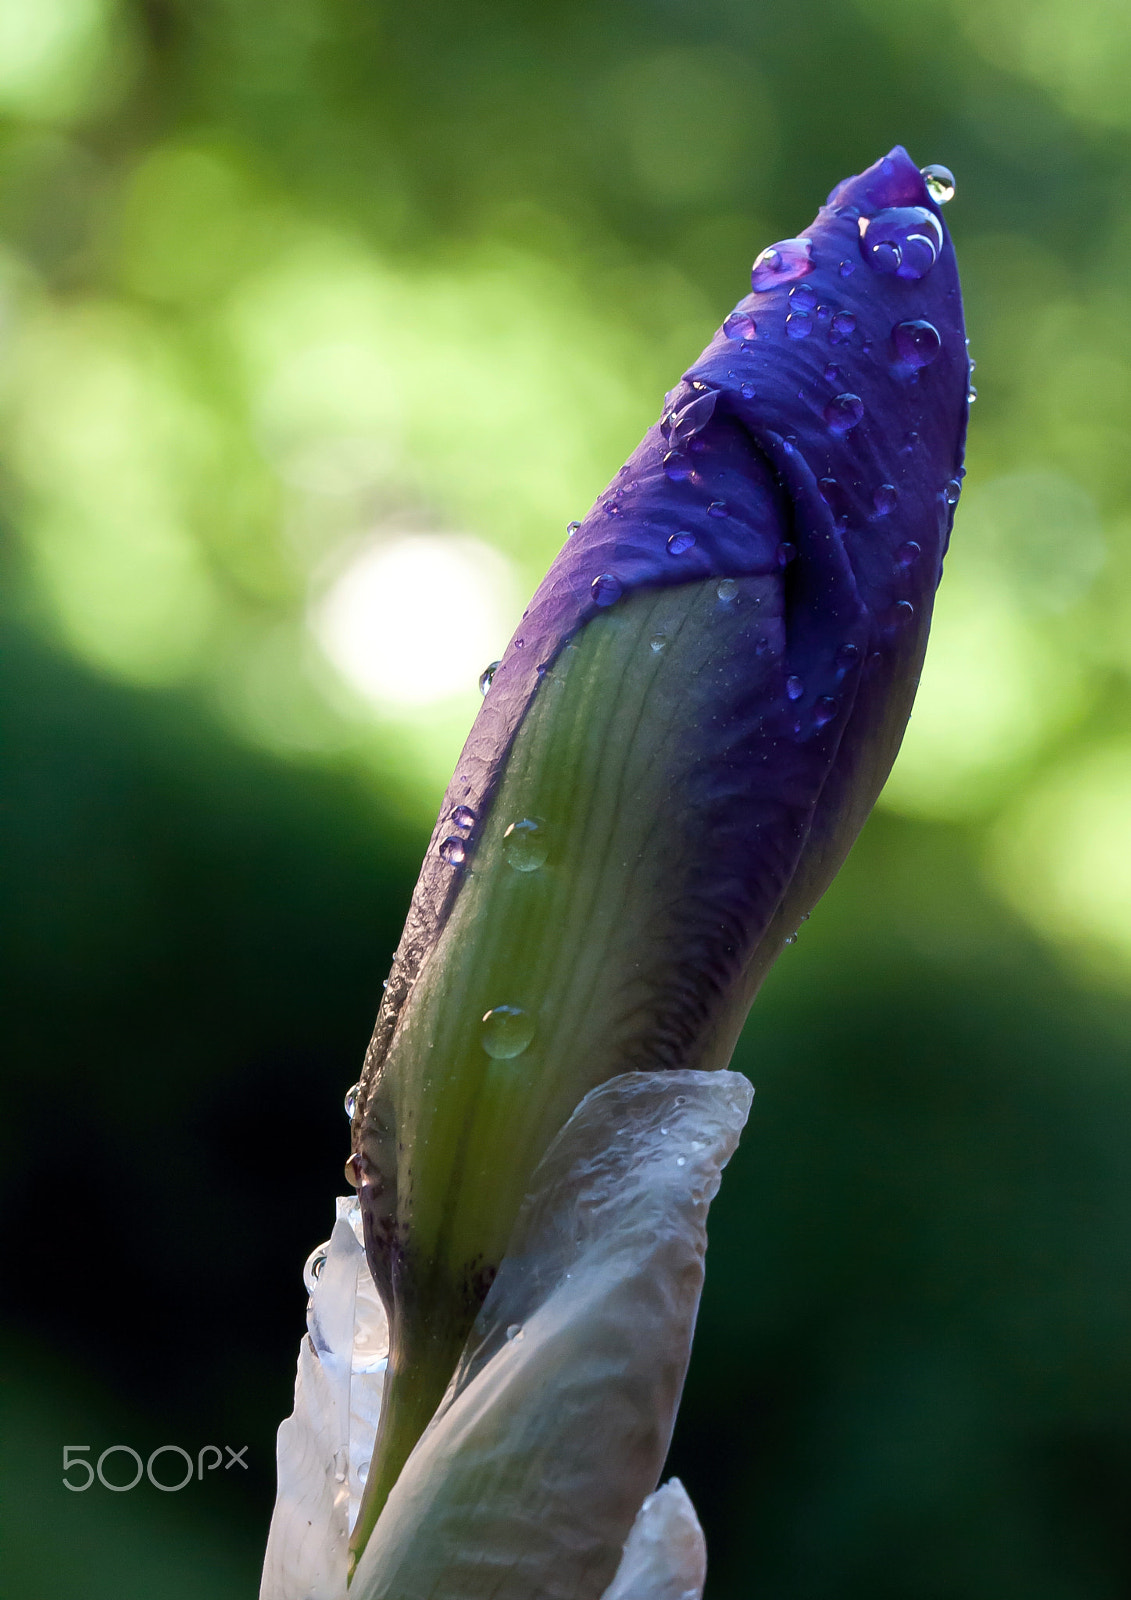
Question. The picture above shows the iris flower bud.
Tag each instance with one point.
(682, 740)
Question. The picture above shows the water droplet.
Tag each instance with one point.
(799, 325)
(786, 553)
(717, 508)
(525, 846)
(917, 343)
(680, 1100)
(905, 241)
(952, 492)
(363, 1472)
(680, 543)
(747, 391)
(514, 1333)
(463, 817)
(900, 614)
(791, 938)
(506, 1032)
(824, 316)
(572, 527)
(657, 643)
(803, 297)
(971, 395)
(794, 688)
(605, 589)
(842, 327)
(351, 1099)
(832, 374)
(518, 644)
(727, 588)
(677, 466)
(486, 676)
(783, 262)
(315, 1262)
(940, 183)
(824, 710)
(611, 509)
(843, 412)
(356, 1174)
(885, 499)
(847, 656)
(740, 326)
(846, 269)
(907, 554)
(453, 851)
(663, 1132)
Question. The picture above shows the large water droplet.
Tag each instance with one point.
(794, 688)
(917, 343)
(939, 181)
(783, 262)
(740, 326)
(907, 554)
(971, 395)
(952, 492)
(315, 1262)
(717, 508)
(506, 1032)
(514, 1333)
(680, 543)
(905, 241)
(572, 527)
(356, 1174)
(832, 374)
(696, 414)
(727, 588)
(799, 325)
(524, 845)
(463, 817)
(825, 710)
(802, 297)
(847, 656)
(841, 327)
(656, 643)
(486, 676)
(351, 1099)
(846, 269)
(677, 466)
(844, 412)
(453, 851)
(605, 589)
(885, 499)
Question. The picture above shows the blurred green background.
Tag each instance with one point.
(319, 321)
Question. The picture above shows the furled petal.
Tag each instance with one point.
(527, 1483)
(683, 738)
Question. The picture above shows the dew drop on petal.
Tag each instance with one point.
(315, 1262)
(832, 374)
(940, 182)
(747, 391)
(680, 543)
(825, 710)
(677, 466)
(971, 395)
(786, 553)
(514, 1333)
(463, 817)
(783, 262)
(846, 269)
(740, 326)
(907, 554)
(453, 851)
(843, 412)
(351, 1099)
(656, 643)
(802, 297)
(606, 589)
(356, 1175)
(572, 527)
(486, 676)
(794, 688)
(847, 656)
(904, 241)
(524, 845)
(885, 499)
(727, 589)
(506, 1031)
(799, 325)
(952, 492)
(916, 343)
(841, 327)
(717, 508)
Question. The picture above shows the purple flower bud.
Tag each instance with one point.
(707, 742)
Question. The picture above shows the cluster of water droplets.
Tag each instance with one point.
(453, 847)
